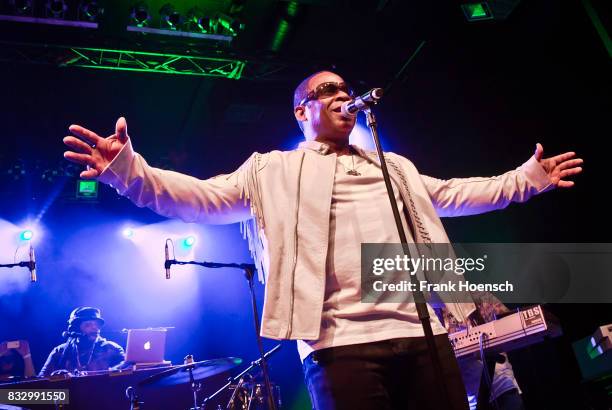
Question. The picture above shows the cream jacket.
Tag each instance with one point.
(283, 199)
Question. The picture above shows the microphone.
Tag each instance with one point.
(167, 264)
(32, 265)
(67, 334)
(351, 108)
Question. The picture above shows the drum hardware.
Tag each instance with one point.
(135, 402)
(245, 379)
(191, 371)
(239, 394)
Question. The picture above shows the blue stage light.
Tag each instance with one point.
(127, 233)
(189, 241)
(26, 235)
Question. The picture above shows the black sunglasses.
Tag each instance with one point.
(327, 89)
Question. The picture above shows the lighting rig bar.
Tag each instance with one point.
(165, 32)
(122, 60)
(50, 21)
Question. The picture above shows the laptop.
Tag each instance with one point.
(146, 346)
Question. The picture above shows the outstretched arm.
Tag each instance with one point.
(559, 167)
(112, 161)
(470, 196)
(93, 151)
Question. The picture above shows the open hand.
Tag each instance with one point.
(94, 151)
(559, 167)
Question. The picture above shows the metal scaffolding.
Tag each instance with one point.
(123, 60)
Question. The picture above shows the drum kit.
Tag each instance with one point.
(246, 390)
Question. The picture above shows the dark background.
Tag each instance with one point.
(473, 102)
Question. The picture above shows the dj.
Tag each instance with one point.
(85, 349)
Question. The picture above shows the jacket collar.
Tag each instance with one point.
(323, 149)
(316, 146)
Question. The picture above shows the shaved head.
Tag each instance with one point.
(301, 91)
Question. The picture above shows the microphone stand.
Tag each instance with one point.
(419, 300)
(238, 377)
(249, 272)
(24, 264)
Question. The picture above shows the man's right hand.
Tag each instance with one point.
(94, 151)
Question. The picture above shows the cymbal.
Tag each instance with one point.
(200, 370)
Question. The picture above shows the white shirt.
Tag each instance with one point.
(360, 213)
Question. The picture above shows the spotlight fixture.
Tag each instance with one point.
(26, 235)
(17, 171)
(236, 7)
(127, 233)
(189, 241)
(207, 25)
(139, 15)
(170, 18)
(56, 8)
(231, 24)
(90, 10)
(477, 11)
(197, 21)
(21, 7)
(286, 16)
(86, 189)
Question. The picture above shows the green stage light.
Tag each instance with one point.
(477, 11)
(284, 25)
(87, 189)
(196, 21)
(230, 24)
(139, 15)
(170, 18)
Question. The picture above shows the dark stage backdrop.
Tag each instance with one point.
(473, 103)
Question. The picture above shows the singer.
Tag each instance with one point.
(85, 349)
(305, 213)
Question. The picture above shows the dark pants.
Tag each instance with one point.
(390, 374)
(510, 400)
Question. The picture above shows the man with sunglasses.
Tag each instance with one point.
(305, 213)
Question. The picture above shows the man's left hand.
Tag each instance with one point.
(559, 167)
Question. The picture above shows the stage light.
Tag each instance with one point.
(230, 24)
(139, 15)
(90, 10)
(86, 189)
(197, 22)
(26, 235)
(56, 8)
(189, 241)
(207, 25)
(127, 233)
(21, 7)
(286, 20)
(477, 11)
(170, 18)
(17, 171)
(236, 7)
